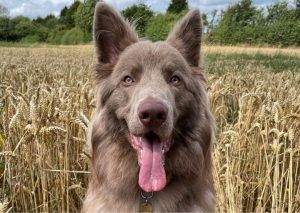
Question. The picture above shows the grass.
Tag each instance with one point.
(251, 50)
(18, 44)
(275, 63)
(46, 99)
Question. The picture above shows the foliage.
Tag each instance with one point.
(237, 23)
(50, 21)
(139, 14)
(177, 6)
(204, 19)
(41, 32)
(84, 16)
(24, 27)
(67, 15)
(244, 23)
(160, 25)
(282, 25)
(31, 39)
(73, 36)
(56, 34)
(277, 24)
(4, 28)
(3, 11)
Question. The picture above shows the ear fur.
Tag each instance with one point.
(186, 37)
(112, 34)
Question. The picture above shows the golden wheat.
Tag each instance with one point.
(46, 100)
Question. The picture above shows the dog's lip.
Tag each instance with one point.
(136, 140)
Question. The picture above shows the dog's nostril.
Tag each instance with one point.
(161, 116)
(144, 115)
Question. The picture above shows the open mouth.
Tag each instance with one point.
(151, 149)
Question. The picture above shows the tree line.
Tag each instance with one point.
(242, 22)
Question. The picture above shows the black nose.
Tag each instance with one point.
(152, 112)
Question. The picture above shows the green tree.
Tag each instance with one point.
(41, 33)
(73, 36)
(84, 17)
(24, 27)
(3, 11)
(283, 24)
(237, 24)
(39, 20)
(49, 21)
(212, 22)
(4, 28)
(4, 23)
(63, 12)
(67, 15)
(160, 25)
(14, 34)
(278, 11)
(297, 3)
(141, 14)
(205, 24)
(242, 13)
(204, 19)
(244, 23)
(177, 6)
(56, 34)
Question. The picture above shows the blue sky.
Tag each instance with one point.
(34, 8)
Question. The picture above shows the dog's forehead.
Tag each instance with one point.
(152, 53)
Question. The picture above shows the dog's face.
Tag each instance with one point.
(148, 87)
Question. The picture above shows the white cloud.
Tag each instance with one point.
(156, 5)
(120, 4)
(34, 8)
(18, 10)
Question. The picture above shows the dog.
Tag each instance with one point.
(152, 132)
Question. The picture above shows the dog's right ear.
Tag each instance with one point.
(112, 34)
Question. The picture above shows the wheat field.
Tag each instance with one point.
(47, 98)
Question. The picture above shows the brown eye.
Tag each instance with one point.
(175, 80)
(127, 80)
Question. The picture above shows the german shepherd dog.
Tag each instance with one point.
(152, 133)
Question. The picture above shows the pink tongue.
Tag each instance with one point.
(152, 175)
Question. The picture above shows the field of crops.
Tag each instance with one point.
(46, 100)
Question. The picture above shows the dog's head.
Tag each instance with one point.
(152, 90)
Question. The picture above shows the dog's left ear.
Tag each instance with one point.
(186, 37)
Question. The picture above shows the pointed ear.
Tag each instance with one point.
(186, 37)
(112, 34)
